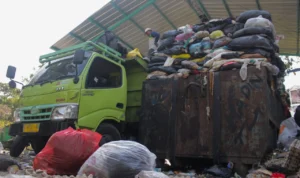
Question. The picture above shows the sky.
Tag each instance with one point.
(29, 28)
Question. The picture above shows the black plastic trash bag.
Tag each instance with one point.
(166, 43)
(253, 41)
(175, 50)
(263, 52)
(119, 159)
(219, 171)
(170, 33)
(151, 53)
(230, 55)
(6, 161)
(123, 50)
(109, 39)
(155, 64)
(254, 31)
(220, 42)
(167, 69)
(277, 61)
(231, 28)
(230, 66)
(155, 59)
(177, 67)
(219, 27)
(178, 61)
(182, 43)
(243, 17)
(217, 22)
(199, 27)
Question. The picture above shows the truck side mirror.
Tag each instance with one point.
(78, 56)
(12, 84)
(11, 72)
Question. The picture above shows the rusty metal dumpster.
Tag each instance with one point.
(211, 115)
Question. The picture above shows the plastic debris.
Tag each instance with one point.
(119, 159)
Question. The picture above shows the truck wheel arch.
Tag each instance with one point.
(111, 121)
(110, 131)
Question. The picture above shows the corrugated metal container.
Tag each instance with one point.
(211, 115)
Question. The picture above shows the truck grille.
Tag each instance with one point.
(41, 113)
(36, 117)
(40, 110)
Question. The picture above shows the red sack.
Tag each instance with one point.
(277, 175)
(66, 151)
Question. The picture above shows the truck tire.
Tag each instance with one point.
(109, 132)
(18, 145)
(38, 144)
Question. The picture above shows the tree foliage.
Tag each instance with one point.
(9, 101)
(289, 61)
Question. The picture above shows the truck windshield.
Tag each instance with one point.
(57, 70)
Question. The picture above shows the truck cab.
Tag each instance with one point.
(86, 86)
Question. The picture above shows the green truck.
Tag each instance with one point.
(5, 138)
(211, 115)
(88, 86)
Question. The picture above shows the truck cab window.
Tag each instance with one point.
(104, 74)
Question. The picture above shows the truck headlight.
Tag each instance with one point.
(65, 112)
(17, 114)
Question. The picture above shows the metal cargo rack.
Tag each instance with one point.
(88, 45)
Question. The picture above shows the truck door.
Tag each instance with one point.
(103, 94)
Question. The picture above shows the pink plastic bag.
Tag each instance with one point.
(182, 37)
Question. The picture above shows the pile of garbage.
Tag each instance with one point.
(280, 164)
(219, 45)
(82, 153)
(285, 160)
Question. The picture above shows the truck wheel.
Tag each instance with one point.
(18, 145)
(38, 144)
(109, 132)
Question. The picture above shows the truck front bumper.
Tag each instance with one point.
(46, 128)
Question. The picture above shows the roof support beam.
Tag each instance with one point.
(194, 9)
(202, 7)
(298, 28)
(114, 4)
(164, 16)
(104, 29)
(258, 5)
(77, 37)
(54, 48)
(135, 12)
(227, 8)
(289, 54)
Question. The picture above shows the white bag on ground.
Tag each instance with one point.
(150, 174)
(1, 147)
(119, 159)
(288, 132)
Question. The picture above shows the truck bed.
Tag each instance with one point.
(212, 115)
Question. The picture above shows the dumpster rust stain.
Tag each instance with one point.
(245, 114)
(245, 132)
(240, 102)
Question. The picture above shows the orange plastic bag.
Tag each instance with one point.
(66, 151)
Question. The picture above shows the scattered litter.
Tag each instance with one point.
(66, 151)
(150, 174)
(119, 159)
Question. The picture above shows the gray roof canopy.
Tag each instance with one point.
(128, 19)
